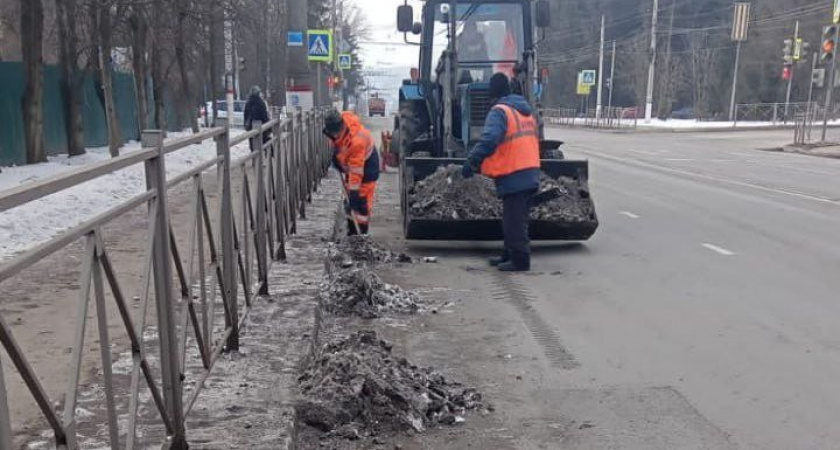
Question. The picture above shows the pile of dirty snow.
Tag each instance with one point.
(356, 387)
(446, 195)
(362, 249)
(357, 291)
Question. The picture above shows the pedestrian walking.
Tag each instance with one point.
(509, 153)
(356, 157)
(256, 111)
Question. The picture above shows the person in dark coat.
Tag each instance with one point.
(256, 111)
(509, 153)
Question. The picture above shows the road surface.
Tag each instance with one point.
(702, 315)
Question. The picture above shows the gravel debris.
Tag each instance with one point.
(446, 195)
(357, 291)
(356, 386)
(351, 250)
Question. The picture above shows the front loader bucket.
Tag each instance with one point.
(418, 228)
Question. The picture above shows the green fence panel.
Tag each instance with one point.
(12, 84)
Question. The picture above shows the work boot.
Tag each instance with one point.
(494, 262)
(508, 266)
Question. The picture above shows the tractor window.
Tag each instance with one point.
(489, 39)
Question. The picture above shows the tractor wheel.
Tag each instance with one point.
(409, 128)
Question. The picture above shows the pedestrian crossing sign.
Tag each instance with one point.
(345, 62)
(319, 45)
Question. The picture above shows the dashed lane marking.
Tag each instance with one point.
(719, 250)
(629, 214)
(678, 159)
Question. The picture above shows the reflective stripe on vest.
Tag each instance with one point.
(520, 148)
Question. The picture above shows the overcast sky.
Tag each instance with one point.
(385, 47)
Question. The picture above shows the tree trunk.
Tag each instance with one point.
(139, 36)
(181, 56)
(31, 33)
(71, 78)
(216, 46)
(158, 87)
(104, 31)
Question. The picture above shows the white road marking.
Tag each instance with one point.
(637, 163)
(629, 214)
(677, 159)
(719, 250)
(723, 160)
(644, 152)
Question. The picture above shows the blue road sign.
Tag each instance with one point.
(295, 39)
(319, 45)
(345, 62)
(589, 77)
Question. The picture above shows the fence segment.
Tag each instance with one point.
(224, 262)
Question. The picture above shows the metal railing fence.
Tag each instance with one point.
(275, 184)
(612, 118)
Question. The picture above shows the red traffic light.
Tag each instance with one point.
(787, 73)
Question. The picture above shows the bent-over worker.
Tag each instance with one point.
(509, 153)
(356, 157)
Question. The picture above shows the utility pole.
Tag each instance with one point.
(599, 105)
(652, 69)
(792, 71)
(811, 87)
(612, 76)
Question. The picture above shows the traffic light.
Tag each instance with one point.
(787, 51)
(804, 50)
(787, 73)
(241, 63)
(829, 43)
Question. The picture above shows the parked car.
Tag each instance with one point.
(221, 111)
(685, 113)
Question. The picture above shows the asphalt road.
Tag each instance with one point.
(715, 272)
(702, 315)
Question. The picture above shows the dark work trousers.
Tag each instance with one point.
(515, 220)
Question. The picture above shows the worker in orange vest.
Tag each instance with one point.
(509, 153)
(356, 157)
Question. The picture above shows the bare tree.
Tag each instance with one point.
(139, 32)
(104, 14)
(72, 79)
(181, 49)
(31, 33)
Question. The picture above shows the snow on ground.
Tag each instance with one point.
(38, 221)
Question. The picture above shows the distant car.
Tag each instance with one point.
(630, 113)
(221, 111)
(686, 113)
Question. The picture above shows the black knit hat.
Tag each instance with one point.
(499, 86)
(333, 124)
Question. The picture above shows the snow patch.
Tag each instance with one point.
(38, 221)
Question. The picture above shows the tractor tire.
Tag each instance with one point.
(409, 128)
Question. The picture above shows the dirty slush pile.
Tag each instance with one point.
(352, 288)
(446, 195)
(356, 387)
(357, 291)
(361, 249)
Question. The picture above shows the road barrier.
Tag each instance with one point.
(275, 182)
(775, 113)
(612, 118)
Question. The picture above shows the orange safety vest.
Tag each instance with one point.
(520, 149)
(354, 148)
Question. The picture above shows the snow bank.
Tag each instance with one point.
(36, 222)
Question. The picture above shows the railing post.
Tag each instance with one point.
(166, 320)
(5, 418)
(228, 257)
(280, 189)
(260, 225)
